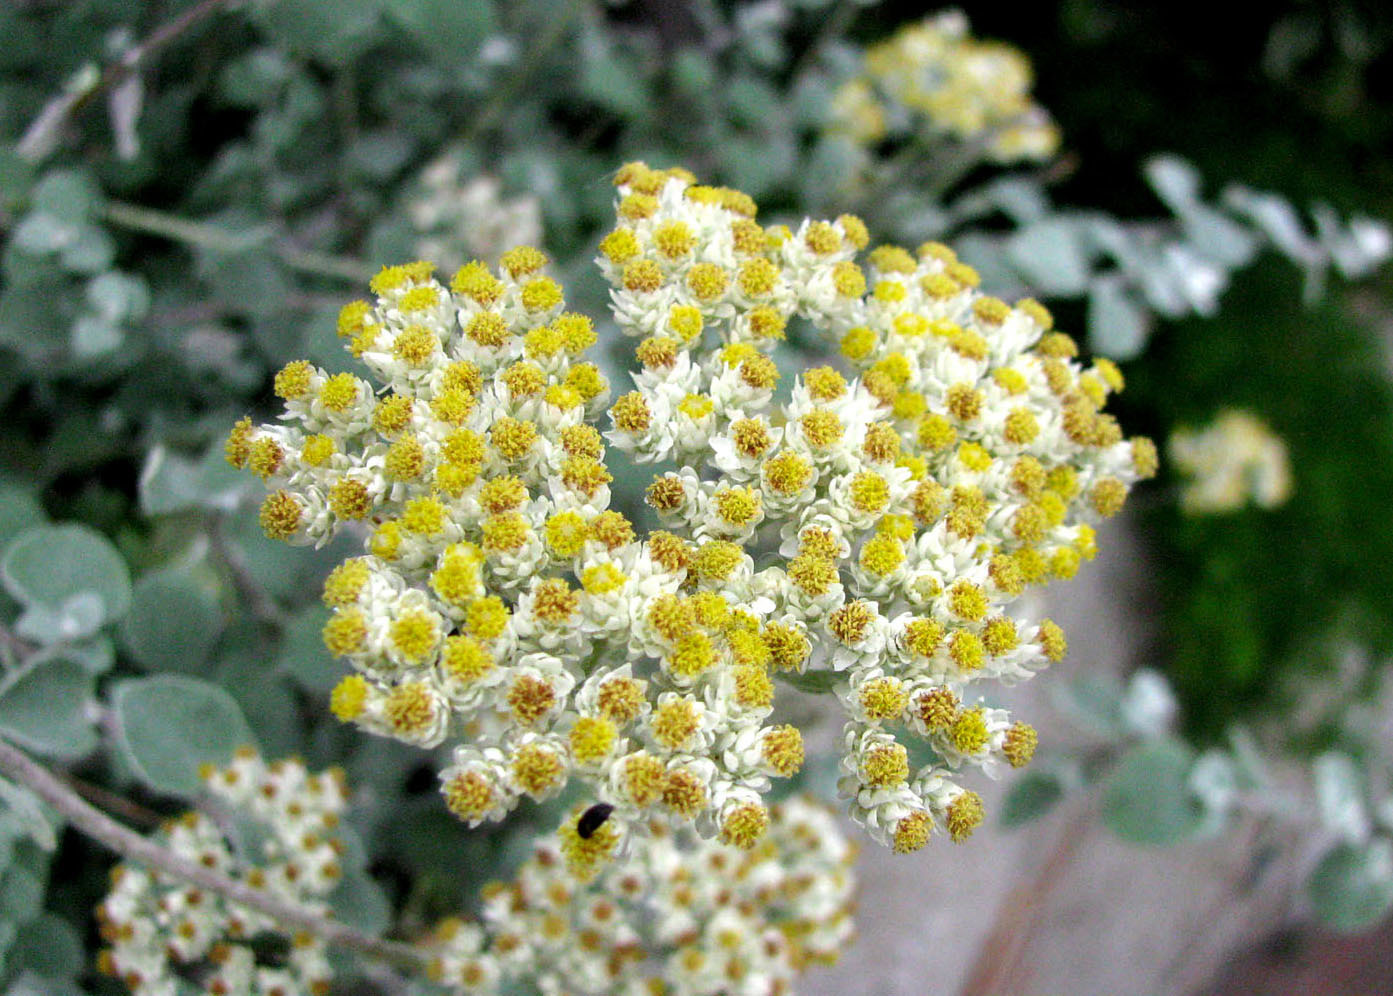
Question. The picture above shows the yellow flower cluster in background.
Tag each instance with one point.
(897, 506)
(1234, 461)
(933, 80)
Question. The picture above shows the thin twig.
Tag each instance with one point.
(98, 796)
(998, 959)
(263, 606)
(21, 768)
(150, 221)
(503, 96)
(41, 137)
(832, 29)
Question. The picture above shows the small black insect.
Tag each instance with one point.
(592, 819)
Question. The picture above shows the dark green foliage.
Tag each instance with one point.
(1255, 598)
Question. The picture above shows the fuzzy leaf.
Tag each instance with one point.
(1352, 886)
(47, 566)
(1147, 798)
(169, 725)
(46, 710)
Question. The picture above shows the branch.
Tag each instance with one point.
(41, 137)
(21, 768)
(502, 97)
(263, 606)
(149, 221)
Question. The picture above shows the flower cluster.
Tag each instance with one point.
(1235, 460)
(457, 218)
(682, 916)
(162, 932)
(933, 79)
(896, 514)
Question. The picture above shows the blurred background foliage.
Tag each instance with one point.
(190, 191)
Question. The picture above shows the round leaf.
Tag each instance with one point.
(173, 623)
(49, 947)
(19, 510)
(1147, 798)
(812, 682)
(46, 709)
(1032, 795)
(46, 566)
(303, 655)
(1352, 887)
(1117, 326)
(170, 725)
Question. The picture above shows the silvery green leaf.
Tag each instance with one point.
(379, 154)
(47, 709)
(79, 616)
(174, 619)
(96, 655)
(1250, 769)
(303, 655)
(23, 885)
(1148, 706)
(1198, 281)
(170, 724)
(811, 95)
(987, 255)
(1147, 797)
(1031, 795)
(24, 808)
(611, 76)
(757, 32)
(1218, 237)
(94, 336)
(1175, 181)
(1278, 220)
(1111, 238)
(68, 194)
(335, 31)
(759, 164)
(1340, 797)
(41, 233)
(254, 78)
(359, 901)
(813, 682)
(834, 161)
(1023, 201)
(1117, 325)
(914, 216)
(16, 175)
(172, 483)
(19, 510)
(1051, 257)
(693, 72)
(1214, 781)
(753, 102)
(1352, 887)
(1357, 249)
(91, 250)
(119, 297)
(49, 953)
(1093, 702)
(1290, 42)
(47, 565)
(449, 29)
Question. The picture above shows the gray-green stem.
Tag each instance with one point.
(149, 221)
(18, 766)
